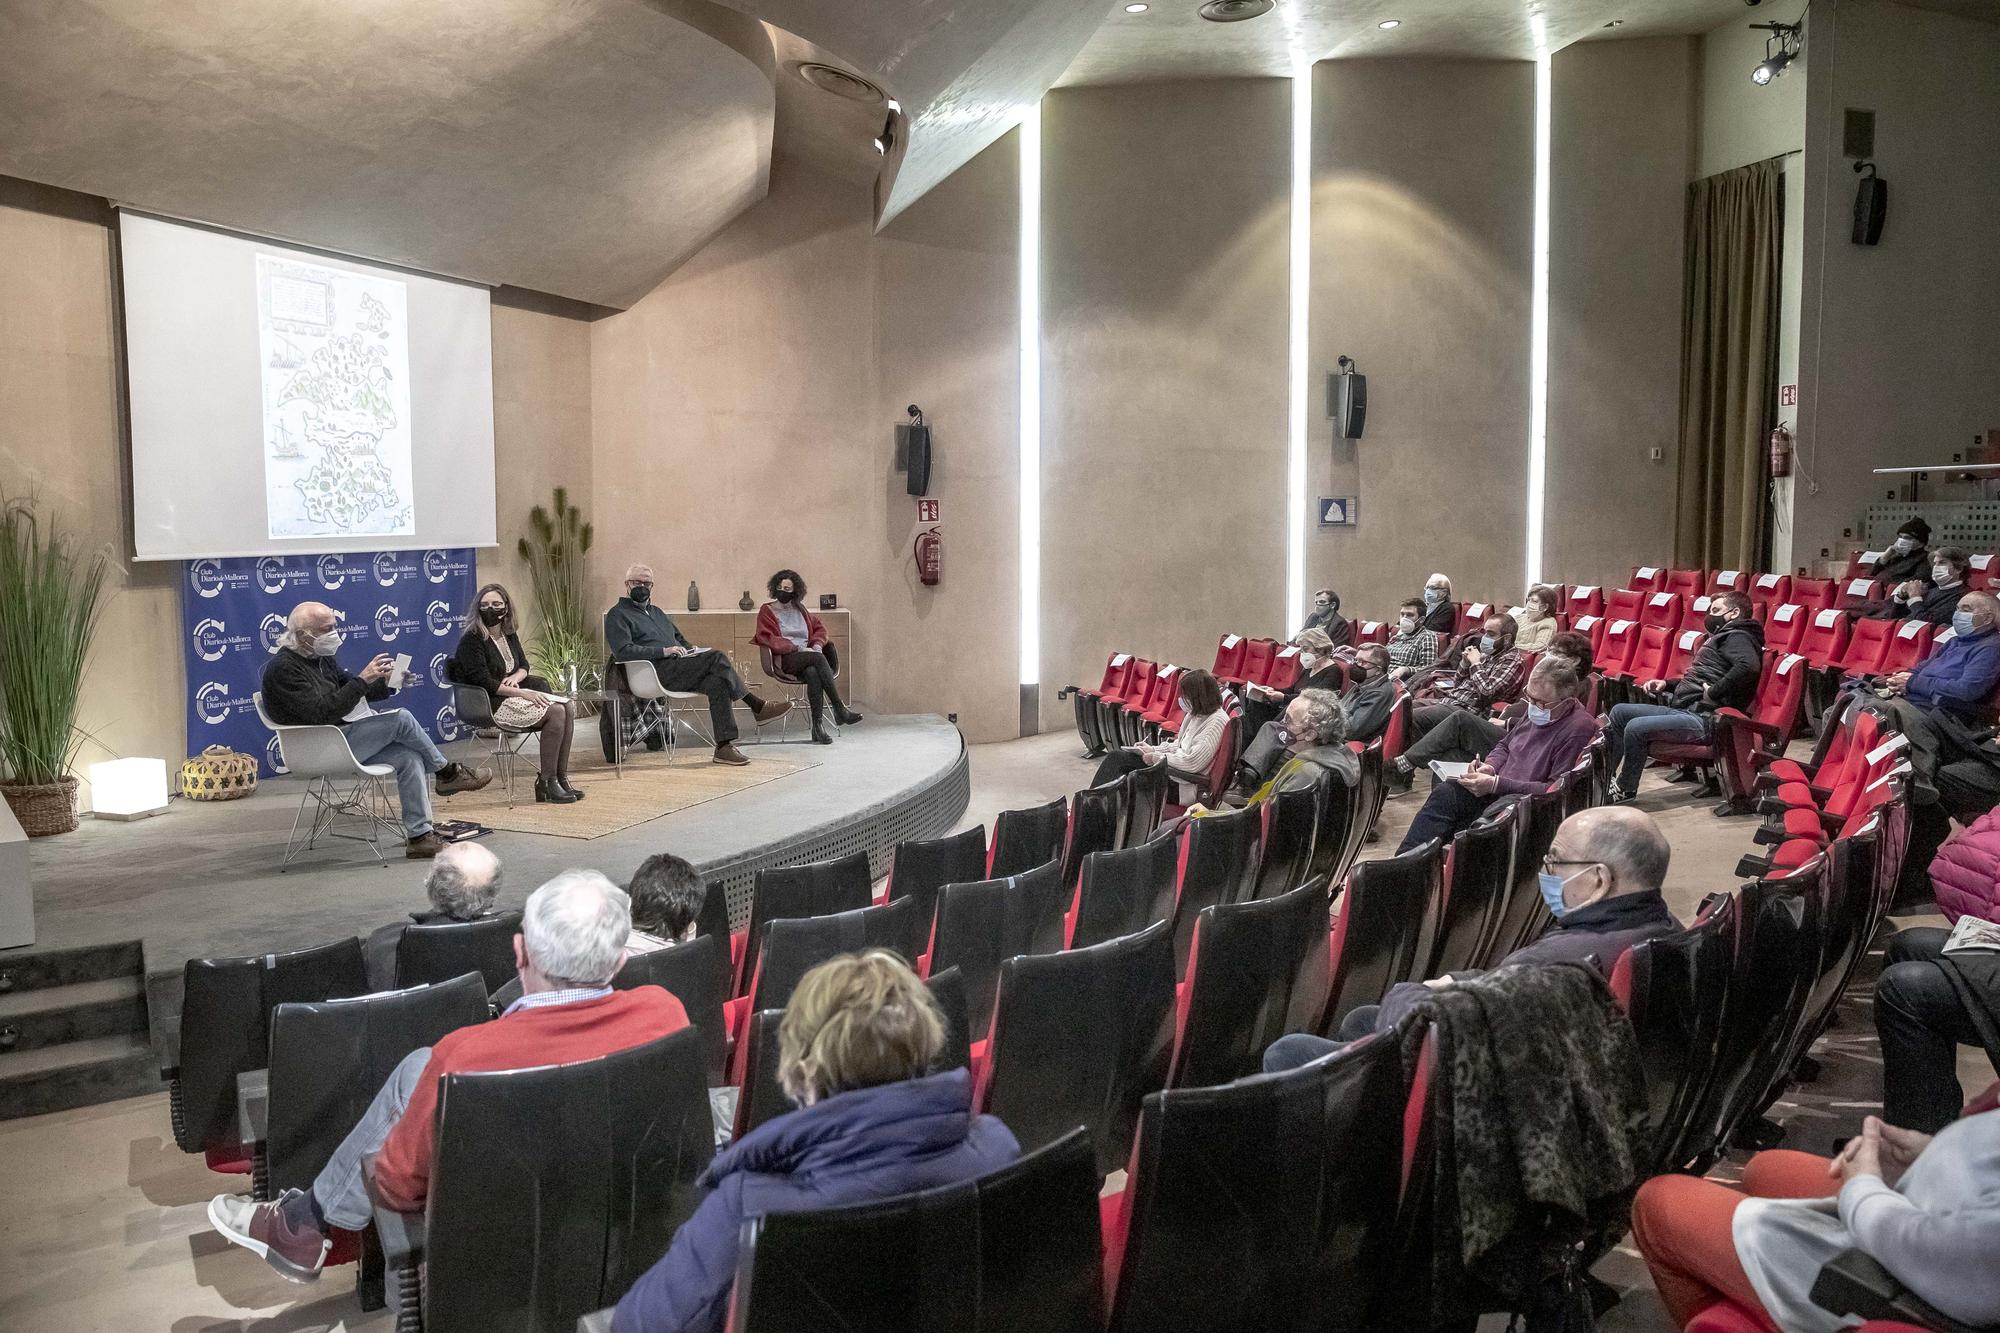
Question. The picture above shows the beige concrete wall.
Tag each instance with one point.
(1901, 350)
(1165, 225)
(61, 399)
(1422, 232)
(61, 393)
(742, 420)
(1620, 146)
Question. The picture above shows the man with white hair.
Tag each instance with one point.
(636, 630)
(463, 881)
(304, 686)
(572, 942)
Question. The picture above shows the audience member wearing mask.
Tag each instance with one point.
(1948, 698)
(1933, 599)
(1371, 693)
(304, 686)
(1317, 671)
(1190, 751)
(1412, 647)
(1908, 556)
(1440, 614)
(1315, 731)
(1325, 616)
(1485, 668)
(1723, 675)
(490, 657)
(1535, 620)
(1602, 882)
(1534, 752)
(635, 629)
(855, 1049)
(798, 643)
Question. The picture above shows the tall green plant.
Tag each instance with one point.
(558, 540)
(50, 594)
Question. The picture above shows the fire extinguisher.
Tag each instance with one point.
(930, 557)
(1781, 450)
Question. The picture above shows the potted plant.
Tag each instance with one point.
(565, 650)
(50, 594)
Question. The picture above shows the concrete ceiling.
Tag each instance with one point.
(963, 70)
(578, 147)
(1172, 41)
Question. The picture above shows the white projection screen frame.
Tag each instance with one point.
(290, 402)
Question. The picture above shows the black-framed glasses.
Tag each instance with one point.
(1550, 861)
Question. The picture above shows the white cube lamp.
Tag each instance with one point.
(128, 788)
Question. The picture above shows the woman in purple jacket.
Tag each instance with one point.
(853, 1046)
(1535, 752)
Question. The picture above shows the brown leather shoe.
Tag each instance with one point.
(773, 709)
(727, 753)
(425, 847)
(463, 778)
(261, 1229)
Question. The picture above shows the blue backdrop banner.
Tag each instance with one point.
(232, 612)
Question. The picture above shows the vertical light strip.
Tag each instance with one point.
(1031, 397)
(1301, 294)
(1538, 331)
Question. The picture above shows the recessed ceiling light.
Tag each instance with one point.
(1387, 24)
(1615, 23)
(1137, 9)
(1235, 11)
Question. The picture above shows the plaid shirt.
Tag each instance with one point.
(1414, 651)
(542, 999)
(1496, 680)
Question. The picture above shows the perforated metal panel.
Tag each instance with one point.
(926, 812)
(1973, 525)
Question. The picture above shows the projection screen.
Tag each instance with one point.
(288, 402)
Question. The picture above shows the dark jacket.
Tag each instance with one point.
(313, 691)
(1443, 618)
(1336, 625)
(850, 1148)
(1595, 936)
(1893, 569)
(640, 633)
(1959, 678)
(1368, 706)
(477, 662)
(1724, 673)
(1936, 606)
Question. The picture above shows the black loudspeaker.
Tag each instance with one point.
(918, 453)
(1347, 403)
(1871, 205)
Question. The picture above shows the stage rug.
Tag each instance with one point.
(652, 786)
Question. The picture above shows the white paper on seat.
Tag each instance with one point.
(1231, 640)
(1289, 650)
(1120, 659)
(1887, 748)
(1647, 571)
(1767, 580)
(1860, 587)
(1689, 637)
(1584, 622)
(1620, 626)
(1898, 771)
(1729, 578)
(1980, 562)
(1583, 590)
(1944, 636)
(1910, 629)
(1784, 614)
(1827, 619)
(1871, 557)
(1789, 661)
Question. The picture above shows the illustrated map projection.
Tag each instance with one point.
(335, 348)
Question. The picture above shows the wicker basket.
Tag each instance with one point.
(218, 774)
(43, 810)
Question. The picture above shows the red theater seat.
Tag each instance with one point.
(1785, 626)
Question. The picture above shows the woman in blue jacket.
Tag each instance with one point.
(852, 1049)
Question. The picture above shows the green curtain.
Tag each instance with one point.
(1729, 365)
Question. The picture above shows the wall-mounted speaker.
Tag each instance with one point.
(1347, 403)
(1871, 205)
(918, 451)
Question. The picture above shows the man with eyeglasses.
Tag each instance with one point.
(1601, 880)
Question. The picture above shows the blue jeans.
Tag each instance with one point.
(393, 737)
(1635, 726)
(343, 1198)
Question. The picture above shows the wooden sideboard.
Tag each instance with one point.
(734, 632)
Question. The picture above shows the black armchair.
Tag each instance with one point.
(1851, 1283)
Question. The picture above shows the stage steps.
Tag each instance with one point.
(73, 1029)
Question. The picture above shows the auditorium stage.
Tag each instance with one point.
(203, 880)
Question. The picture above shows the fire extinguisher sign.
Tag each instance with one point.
(927, 511)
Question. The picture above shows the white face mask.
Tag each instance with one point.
(1306, 660)
(1905, 545)
(1407, 624)
(1941, 574)
(327, 644)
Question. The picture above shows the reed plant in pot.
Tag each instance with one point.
(565, 648)
(50, 595)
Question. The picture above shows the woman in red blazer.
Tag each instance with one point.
(798, 644)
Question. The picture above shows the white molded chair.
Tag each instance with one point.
(347, 798)
(644, 682)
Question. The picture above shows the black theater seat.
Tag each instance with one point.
(1024, 839)
(1124, 891)
(1479, 873)
(920, 869)
(1381, 921)
(690, 973)
(1146, 791)
(1093, 827)
(982, 924)
(1259, 970)
(446, 949)
(1218, 864)
(1292, 821)
(820, 888)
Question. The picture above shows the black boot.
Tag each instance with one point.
(820, 735)
(548, 791)
(562, 780)
(848, 717)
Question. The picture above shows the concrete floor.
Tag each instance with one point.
(104, 1225)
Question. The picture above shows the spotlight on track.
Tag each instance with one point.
(1781, 48)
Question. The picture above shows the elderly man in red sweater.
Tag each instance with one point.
(572, 942)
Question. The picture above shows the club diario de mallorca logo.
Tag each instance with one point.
(392, 567)
(441, 565)
(273, 577)
(438, 662)
(213, 641)
(332, 574)
(208, 578)
(440, 618)
(391, 624)
(212, 703)
(274, 756)
(269, 630)
(447, 723)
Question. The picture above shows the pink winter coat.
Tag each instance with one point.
(1966, 871)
